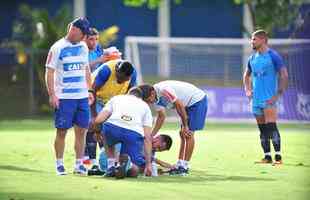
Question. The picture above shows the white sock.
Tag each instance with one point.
(179, 163)
(111, 162)
(278, 152)
(59, 162)
(94, 161)
(267, 154)
(78, 162)
(86, 158)
(185, 164)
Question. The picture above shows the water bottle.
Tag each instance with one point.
(154, 169)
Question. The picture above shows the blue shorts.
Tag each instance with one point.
(197, 114)
(72, 111)
(258, 109)
(132, 142)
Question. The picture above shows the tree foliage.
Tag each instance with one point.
(151, 4)
(272, 14)
(35, 31)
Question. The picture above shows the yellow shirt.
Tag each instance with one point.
(111, 88)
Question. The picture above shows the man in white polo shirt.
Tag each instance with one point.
(68, 82)
(127, 120)
(191, 105)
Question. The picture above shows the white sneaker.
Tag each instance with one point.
(81, 170)
(60, 170)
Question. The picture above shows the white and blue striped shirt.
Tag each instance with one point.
(70, 62)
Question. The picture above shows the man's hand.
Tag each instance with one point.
(185, 132)
(54, 101)
(249, 93)
(98, 137)
(273, 100)
(148, 169)
(91, 98)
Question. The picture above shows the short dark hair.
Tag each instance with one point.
(136, 91)
(146, 90)
(261, 34)
(124, 67)
(93, 31)
(167, 140)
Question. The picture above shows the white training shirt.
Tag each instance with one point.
(70, 62)
(129, 112)
(169, 91)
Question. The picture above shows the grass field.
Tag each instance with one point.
(222, 167)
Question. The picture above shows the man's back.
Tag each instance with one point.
(187, 93)
(129, 112)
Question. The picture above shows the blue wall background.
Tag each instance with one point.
(192, 18)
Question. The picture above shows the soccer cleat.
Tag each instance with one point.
(179, 171)
(120, 171)
(60, 170)
(183, 171)
(278, 160)
(95, 167)
(110, 172)
(266, 160)
(95, 171)
(81, 170)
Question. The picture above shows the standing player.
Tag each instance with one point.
(191, 105)
(68, 81)
(265, 79)
(95, 55)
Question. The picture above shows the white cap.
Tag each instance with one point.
(111, 50)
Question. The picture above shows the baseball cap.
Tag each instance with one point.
(83, 24)
(112, 50)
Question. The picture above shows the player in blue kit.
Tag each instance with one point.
(265, 79)
(95, 55)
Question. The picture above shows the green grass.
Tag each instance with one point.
(222, 167)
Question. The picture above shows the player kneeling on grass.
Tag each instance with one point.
(127, 119)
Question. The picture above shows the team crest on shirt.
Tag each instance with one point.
(303, 105)
(126, 118)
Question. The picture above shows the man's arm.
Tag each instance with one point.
(161, 116)
(49, 81)
(148, 150)
(283, 84)
(181, 112)
(102, 116)
(91, 96)
(183, 115)
(163, 163)
(247, 82)
(283, 80)
(101, 78)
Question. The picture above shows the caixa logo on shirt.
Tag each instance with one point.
(73, 66)
(126, 118)
(303, 104)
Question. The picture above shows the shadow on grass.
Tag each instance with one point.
(297, 165)
(21, 169)
(195, 176)
(32, 196)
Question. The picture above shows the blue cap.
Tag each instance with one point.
(83, 24)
